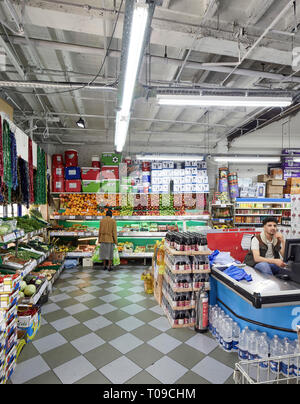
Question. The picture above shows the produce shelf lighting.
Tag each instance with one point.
(169, 157)
(223, 101)
(257, 160)
(136, 41)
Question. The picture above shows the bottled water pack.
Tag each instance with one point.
(251, 345)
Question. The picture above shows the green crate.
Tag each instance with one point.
(90, 186)
(110, 186)
(111, 159)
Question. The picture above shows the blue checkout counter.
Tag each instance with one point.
(266, 304)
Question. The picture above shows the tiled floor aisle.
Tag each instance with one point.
(100, 327)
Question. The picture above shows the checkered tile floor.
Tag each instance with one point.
(100, 327)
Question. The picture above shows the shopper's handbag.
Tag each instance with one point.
(116, 257)
(96, 255)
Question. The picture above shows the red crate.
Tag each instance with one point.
(73, 185)
(57, 160)
(71, 158)
(110, 172)
(90, 173)
(58, 172)
(58, 185)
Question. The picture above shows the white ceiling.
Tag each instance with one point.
(185, 34)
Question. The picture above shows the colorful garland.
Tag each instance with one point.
(30, 169)
(40, 189)
(14, 161)
(7, 167)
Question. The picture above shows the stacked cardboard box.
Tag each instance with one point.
(275, 188)
(292, 186)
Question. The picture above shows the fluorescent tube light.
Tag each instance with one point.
(136, 41)
(296, 159)
(223, 101)
(170, 157)
(122, 124)
(256, 160)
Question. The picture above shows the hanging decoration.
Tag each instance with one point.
(30, 169)
(14, 161)
(40, 188)
(23, 179)
(7, 167)
(1, 149)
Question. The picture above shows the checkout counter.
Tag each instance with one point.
(266, 304)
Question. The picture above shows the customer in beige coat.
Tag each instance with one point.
(107, 238)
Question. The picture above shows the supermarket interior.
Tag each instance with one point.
(149, 192)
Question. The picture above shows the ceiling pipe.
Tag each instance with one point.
(91, 50)
(58, 85)
(266, 31)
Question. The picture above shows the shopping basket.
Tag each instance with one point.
(274, 370)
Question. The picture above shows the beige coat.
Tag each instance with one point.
(108, 231)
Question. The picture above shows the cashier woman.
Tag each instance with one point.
(267, 249)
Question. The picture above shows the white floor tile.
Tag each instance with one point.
(126, 343)
(164, 343)
(50, 308)
(130, 323)
(84, 298)
(202, 343)
(97, 323)
(87, 343)
(74, 370)
(76, 308)
(120, 370)
(114, 289)
(161, 323)
(166, 370)
(64, 323)
(29, 369)
(213, 370)
(110, 298)
(135, 298)
(104, 308)
(69, 288)
(91, 289)
(133, 309)
(52, 341)
(157, 310)
(59, 297)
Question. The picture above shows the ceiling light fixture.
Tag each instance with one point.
(80, 123)
(223, 101)
(135, 52)
(170, 157)
(248, 159)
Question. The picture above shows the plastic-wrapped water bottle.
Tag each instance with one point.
(286, 365)
(227, 334)
(296, 363)
(243, 344)
(275, 351)
(252, 346)
(235, 336)
(263, 350)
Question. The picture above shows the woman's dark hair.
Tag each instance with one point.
(269, 220)
(109, 213)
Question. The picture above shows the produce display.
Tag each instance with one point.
(7, 226)
(85, 204)
(29, 224)
(30, 285)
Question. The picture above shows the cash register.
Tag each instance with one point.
(292, 259)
